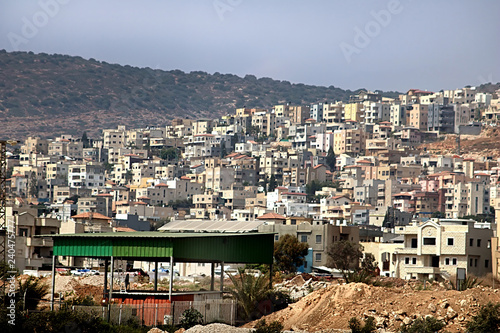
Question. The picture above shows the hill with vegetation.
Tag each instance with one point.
(47, 95)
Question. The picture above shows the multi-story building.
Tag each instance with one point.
(349, 141)
(86, 175)
(317, 234)
(436, 248)
(417, 116)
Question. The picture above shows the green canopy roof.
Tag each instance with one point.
(184, 247)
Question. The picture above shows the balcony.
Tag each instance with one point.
(44, 222)
(39, 242)
(407, 250)
(423, 269)
(34, 262)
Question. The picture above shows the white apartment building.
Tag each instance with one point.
(86, 175)
(436, 248)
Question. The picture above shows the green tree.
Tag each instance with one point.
(128, 176)
(85, 140)
(190, 317)
(249, 290)
(487, 319)
(169, 154)
(331, 159)
(289, 253)
(272, 184)
(368, 264)
(33, 185)
(223, 151)
(311, 189)
(345, 256)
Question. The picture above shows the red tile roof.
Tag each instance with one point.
(94, 216)
(271, 216)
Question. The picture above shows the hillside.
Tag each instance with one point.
(472, 146)
(49, 95)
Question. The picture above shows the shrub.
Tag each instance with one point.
(369, 326)
(420, 325)
(272, 327)
(469, 282)
(487, 319)
(190, 318)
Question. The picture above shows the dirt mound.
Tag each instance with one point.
(333, 306)
(471, 146)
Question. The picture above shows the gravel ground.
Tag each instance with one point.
(216, 328)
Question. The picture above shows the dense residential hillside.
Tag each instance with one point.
(52, 94)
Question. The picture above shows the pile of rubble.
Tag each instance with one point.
(299, 287)
(333, 306)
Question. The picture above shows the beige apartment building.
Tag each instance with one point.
(349, 141)
(436, 248)
(354, 111)
(417, 116)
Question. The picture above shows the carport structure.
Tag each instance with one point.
(154, 246)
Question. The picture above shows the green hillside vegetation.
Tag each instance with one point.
(48, 95)
(37, 87)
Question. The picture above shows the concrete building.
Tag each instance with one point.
(436, 248)
(317, 234)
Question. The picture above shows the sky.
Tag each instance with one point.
(385, 45)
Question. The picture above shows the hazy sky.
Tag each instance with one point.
(388, 45)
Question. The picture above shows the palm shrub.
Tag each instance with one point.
(31, 291)
(469, 282)
(249, 290)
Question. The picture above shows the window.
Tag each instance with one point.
(414, 243)
(486, 263)
(318, 238)
(478, 243)
(318, 256)
(450, 241)
(276, 237)
(303, 238)
(414, 261)
(470, 262)
(471, 242)
(447, 261)
(429, 241)
(407, 261)
(454, 261)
